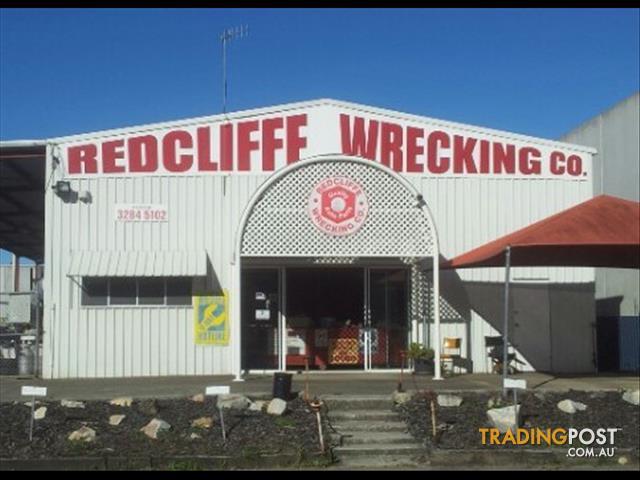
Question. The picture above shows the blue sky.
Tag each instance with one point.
(539, 72)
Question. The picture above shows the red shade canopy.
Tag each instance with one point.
(601, 232)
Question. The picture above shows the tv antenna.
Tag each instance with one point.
(225, 37)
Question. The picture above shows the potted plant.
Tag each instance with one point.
(421, 357)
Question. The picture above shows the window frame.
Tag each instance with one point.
(137, 304)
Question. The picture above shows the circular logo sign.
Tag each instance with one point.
(338, 206)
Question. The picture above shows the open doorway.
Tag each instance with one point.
(325, 315)
(331, 318)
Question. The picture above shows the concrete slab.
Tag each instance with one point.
(320, 384)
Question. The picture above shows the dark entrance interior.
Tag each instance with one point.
(259, 313)
(337, 318)
(321, 302)
(333, 312)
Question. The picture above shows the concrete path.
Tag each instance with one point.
(320, 383)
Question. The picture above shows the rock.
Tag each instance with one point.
(233, 400)
(495, 402)
(154, 427)
(540, 396)
(257, 406)
(503, 418)
(115, 420)
(277, 406)
(445, 400)
(400, 398)
(597, 395)
(623, 460)
(83, 434)
(40, 413)
(198, 398)
(148, 407)
(122, 401)
(28, 404)
(194, 436)
(632, 397)
(202, 422)
(444, 427)
(71, 404)
(569, 406)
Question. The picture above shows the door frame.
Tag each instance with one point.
(281, 349)
(368, 351)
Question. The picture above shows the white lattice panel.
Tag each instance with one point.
(396, 226)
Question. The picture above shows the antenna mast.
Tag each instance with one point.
(225, 37)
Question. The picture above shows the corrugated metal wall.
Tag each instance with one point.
(615, 133)
(204, 212)
(616, 168)
(629, 342)
(121, 341)
(472, 211)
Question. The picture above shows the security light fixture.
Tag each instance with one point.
(62, 188)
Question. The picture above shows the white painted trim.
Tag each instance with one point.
(436, 315)
(22, 143)
(236, 257)
(364, 109)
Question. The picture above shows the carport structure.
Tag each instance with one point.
(22, 186)
(601, 232)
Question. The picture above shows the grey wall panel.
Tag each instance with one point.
(616, 135)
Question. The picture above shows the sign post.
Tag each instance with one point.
(33, 392)
(515, 385)
(219, 390)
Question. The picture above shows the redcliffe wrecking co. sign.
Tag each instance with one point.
(262, 145)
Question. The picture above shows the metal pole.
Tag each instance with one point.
(224, 72)
(505, 333)
(37, 349)
(436, 314)
(15, 260)
(224, 433)
(33, 408)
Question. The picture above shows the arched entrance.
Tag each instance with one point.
(328, 221)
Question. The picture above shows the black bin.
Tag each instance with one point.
(282, 385)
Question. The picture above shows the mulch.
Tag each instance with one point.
(458, 427)
(248, 433)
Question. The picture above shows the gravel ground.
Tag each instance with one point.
(248, 433)
(458, 426)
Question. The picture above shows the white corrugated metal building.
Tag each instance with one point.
(254, 240)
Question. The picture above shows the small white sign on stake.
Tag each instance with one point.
(34, 391)
(217, 390)
(513, 383)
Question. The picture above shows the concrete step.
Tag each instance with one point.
(380, 449)
(370, 438)
(358, 402)
(390, 425)
(362, 415)
(379, 462)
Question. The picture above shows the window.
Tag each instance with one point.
(179, 291)
(122, 291)
(151, 291)
(95, 291)
(128, 291)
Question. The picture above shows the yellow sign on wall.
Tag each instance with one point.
(211, 319)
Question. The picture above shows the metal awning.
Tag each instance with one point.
(22, 186)
(101, 263)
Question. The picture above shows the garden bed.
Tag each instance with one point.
(458, 427)
(251, 435)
